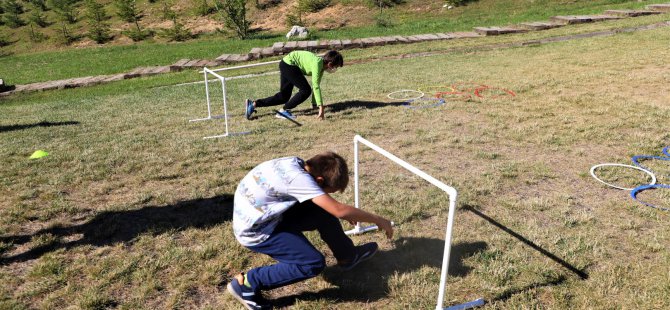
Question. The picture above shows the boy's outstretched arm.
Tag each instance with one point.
(352, 214)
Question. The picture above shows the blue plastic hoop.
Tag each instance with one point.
(665, 151)
(637, 163)
(440, 102)
(638, 189)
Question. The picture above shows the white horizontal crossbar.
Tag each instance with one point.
(244, 66)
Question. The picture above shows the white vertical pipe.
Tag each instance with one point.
(225, 106)
(209, 109)
(447, 252)
(358, 224)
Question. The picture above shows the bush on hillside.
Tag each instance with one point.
(127, 10)
(312, 5)
(202, 8)
(177, 33)
(234, 15)
(168, 12)
(382, 4)
(36, 36)
(11, 11)
(39, 4)
(99, 31)
(138, 34)
(4, 41)
(65, 10)
(38, 18)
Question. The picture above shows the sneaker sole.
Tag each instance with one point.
(230, 289)
(360, 261)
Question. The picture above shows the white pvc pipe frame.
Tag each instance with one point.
(451, 192)
(206, 71)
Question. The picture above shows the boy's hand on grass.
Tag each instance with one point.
(387, 227)
(321, 113)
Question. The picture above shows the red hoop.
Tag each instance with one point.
(505, 92)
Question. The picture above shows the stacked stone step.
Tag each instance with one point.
(494, 31)
(665, 7)
(540, 25)
(631, 13)
(581, 19)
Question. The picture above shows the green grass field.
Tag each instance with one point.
(132, 208)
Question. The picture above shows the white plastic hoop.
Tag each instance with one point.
(593, 174)
(420, 94)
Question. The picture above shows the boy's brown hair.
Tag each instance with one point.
(334, 58)
(332, 168)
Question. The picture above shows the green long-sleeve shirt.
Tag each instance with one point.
(310, 64)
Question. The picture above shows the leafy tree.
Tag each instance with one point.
(36, 36)
(37, 18)
(178, 32)
(39, 4)
(168, 13)
(96, 15)
(381, 4)
(11, 11)
(128, 11)
(234, 14)
(202, 8)
(65, 10)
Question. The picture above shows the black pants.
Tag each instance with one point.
(290, 76)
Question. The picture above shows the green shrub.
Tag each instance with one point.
(11, 11)
(127, 10)
(36, 36)
(65, 10)
(312, 5)
(168, 13)
(202, 8)
(96, 15)
(37, 18)
(4, 41)
(137, 34)
(234, 14)
(177, 33)
(294, 19)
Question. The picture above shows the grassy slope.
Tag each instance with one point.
(119, 176)
(41, 66)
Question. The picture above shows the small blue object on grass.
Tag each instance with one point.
(472, 304)
(438, 102)
(638, 189)
(636, 160)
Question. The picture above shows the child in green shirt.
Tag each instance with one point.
(292, 69)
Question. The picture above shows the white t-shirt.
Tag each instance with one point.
(265, 193)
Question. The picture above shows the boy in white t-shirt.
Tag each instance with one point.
(278, 200)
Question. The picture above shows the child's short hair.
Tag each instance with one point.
(333, 57)
(332, 168)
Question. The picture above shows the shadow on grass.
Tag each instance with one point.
(111, 227)
(581, 274)
(336, 107)
(40, 124)
(369, 281)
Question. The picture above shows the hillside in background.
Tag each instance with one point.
(38, 25)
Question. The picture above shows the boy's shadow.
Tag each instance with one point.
(111, 227)
(369, 280)
(338, 107)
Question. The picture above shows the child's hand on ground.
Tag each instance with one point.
(321, 113)
(387, 227)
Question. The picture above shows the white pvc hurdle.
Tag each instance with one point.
(207, 71)
(451, 192)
